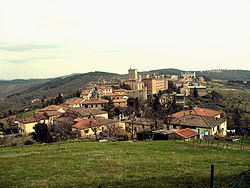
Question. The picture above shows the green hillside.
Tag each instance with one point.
(223, 75)
(118, 164)
(166, 71)
(49, 88)
(227, 75)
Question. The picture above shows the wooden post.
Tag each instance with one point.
(212, 176)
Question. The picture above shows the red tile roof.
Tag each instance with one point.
(86, 123)
(113, 94)
(197, 121)
(74, 101)
(84, 112)
(197, 111)
(119, 100)
(105, 87)
(185, 133)
(93, 122)
(34, 118)
(120, 90)
(53, 113)
(95, 101)
(50, 108)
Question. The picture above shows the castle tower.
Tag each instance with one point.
(132, 74)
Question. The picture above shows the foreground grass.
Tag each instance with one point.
(118, 164)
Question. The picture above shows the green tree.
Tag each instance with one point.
(42, 133)
(195, 94)
(125, 86)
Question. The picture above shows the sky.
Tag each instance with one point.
(49, 38)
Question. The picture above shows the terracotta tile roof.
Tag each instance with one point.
(106, 87)
(34, 118)
(144, 121)
(93, 122)
(74, 101)
(120, 90)
(78, 119)
(113, 94)
(84, 112)
(95, 101)
(119, 100)
(86, 123)
(65, 119)
(185, 133)
(53, 113)
(50, 108)
(197, 111)
(197, 121)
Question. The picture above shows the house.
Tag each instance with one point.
(113, 96)
(198, 111)
(91, 127)
(120, 103)
(140, 94)
(74, 102)
(95, 103)
(139, 125)
(120, 91)
(86, 112)
(202, 90)
(175, 134)
(26, 125)
(183, 134)
(104, 90)
(52, 108)
(86, 94)
(204, 125)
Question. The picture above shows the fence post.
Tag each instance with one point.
(212, 176)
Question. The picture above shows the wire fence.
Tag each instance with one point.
(231, 176)
(223, 144)
(217, 179)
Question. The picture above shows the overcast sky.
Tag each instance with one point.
(48, 38)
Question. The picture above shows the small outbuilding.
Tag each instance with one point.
(183, 134)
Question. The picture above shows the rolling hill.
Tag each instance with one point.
(219, 75)
(21, 92)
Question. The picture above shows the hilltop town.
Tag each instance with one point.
(140, 106)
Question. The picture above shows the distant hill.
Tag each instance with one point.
(214, 75)
(164, 71)
(8, 87)
(23, 91)
(226, 74)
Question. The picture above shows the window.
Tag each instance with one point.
(86, 106)
(86, 131)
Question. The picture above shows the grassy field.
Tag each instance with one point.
(27, 114)
(118, 164)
